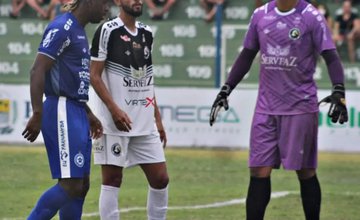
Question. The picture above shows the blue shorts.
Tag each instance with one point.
(290, 140)
(66, 133)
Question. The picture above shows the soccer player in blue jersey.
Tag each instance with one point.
(289, 34)
(61, 72)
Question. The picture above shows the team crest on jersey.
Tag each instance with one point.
(49, 37)
(294, 34)
(116, 149)
(79, 159)
(146, 53)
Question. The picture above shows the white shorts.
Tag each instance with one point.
(126, 151)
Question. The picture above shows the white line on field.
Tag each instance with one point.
(205, 206)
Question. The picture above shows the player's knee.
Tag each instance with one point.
(74, 187)
(160, 182)
(114, 180)
(260, 172)
(305, 173)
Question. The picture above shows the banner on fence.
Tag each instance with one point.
(185, 113)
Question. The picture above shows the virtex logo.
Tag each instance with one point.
(141, 102)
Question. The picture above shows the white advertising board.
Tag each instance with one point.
(185, 113)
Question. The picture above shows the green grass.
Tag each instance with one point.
(198, 177)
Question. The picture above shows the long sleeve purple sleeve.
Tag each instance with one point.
(241, 67)
(334, 66)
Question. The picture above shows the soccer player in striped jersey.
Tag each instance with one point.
(61, 71)
(290, 35)
(122, 76)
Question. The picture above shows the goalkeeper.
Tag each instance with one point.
(289, 34)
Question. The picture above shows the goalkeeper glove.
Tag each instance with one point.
(337, 111)
(220, 101)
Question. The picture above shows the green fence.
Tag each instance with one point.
(183, 53)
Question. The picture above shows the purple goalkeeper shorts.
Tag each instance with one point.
(290, 140)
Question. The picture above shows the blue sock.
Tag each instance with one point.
(72, 210)
(49, 203)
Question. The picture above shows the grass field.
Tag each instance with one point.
(198, 177)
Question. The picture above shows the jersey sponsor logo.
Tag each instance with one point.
(63, 146)
(68, 24)
(138, 73)
(315, 12)
(280, 25)
(49, 37)
(143, 82)
(112, 24)
(64, 45)
(142, 25)
(85, 63)
(278, 56)
(269, 17)
(297, 20)
(83, 88)
(294, 33)
(125, 38)
(136, 45)
(98, 147)
(116, 149)
(84, 75)
(278, 50)
(146, 53)
(141, 102)
(81, 37)
(79, 159)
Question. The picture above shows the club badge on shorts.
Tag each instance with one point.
(79, 159)
(116, 149)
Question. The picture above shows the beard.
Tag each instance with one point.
(132, 12)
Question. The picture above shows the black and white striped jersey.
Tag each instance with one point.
(128, 73)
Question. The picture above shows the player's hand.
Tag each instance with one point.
(337, 111)
(33, 127)
(121, 120)
(96, 128)
(221, 101)
(163, 138)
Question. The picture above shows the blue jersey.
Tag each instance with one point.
(65, 41)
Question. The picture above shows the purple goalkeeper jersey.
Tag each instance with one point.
(289, 44)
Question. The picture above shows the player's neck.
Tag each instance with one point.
(129, 21)
(286, 5)
(81, 17)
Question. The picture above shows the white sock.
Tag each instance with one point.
(157, 203)
(108, 203)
